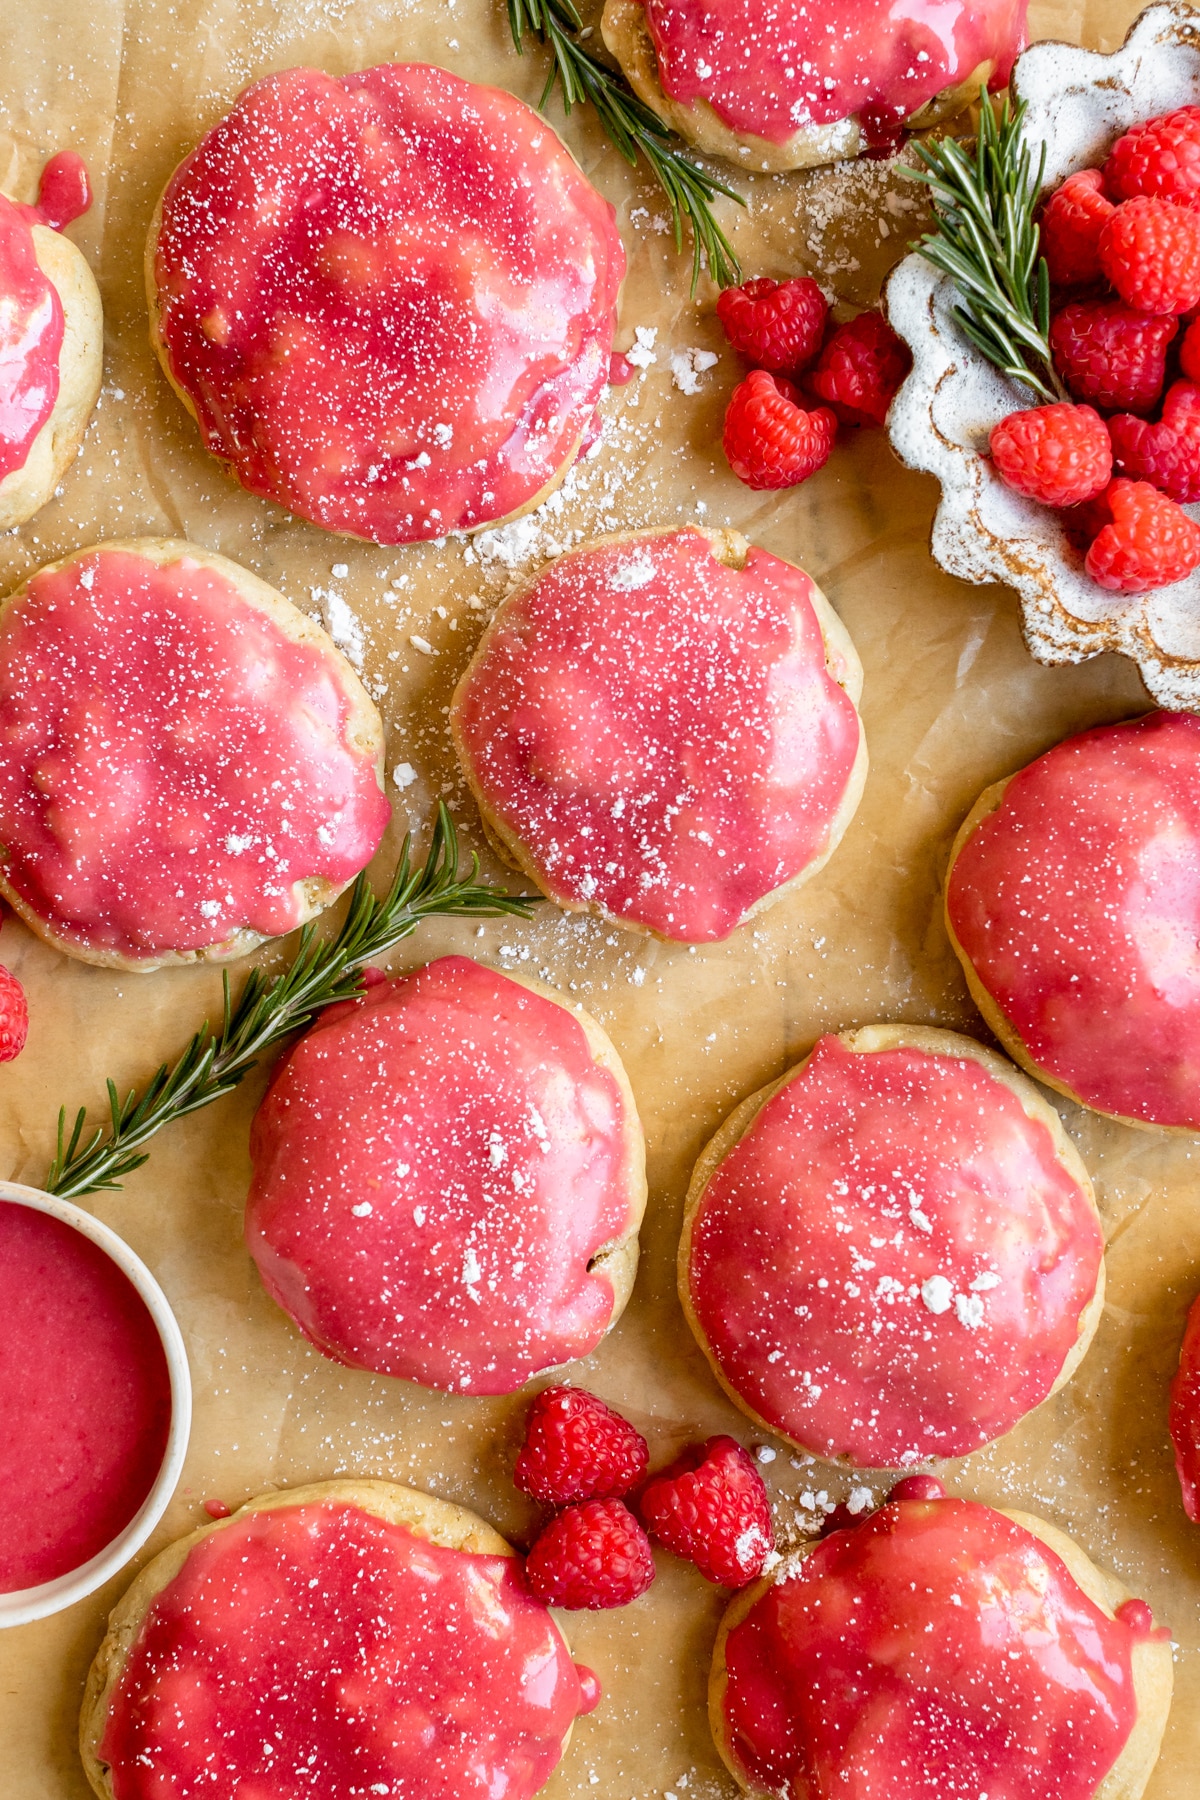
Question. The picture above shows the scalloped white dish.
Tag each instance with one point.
(1079, 102)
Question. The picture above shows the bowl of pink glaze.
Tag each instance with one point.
(95, 1403)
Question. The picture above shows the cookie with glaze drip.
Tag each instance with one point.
(411, 337)
(188, 765)
(662, 729)
(367, 1632)
(941, 1634)
(51, 340)
(449, 1178)
(792, 84)
(1073, 904)
(893, 1253)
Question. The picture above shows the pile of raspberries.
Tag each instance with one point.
(807, 378)
(1122, 245)
(584, 1459)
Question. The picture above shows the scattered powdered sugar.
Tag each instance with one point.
(341, 623)
(637, 572)
(687, 366)
(937, 1293)
(642, 353)
(969, 1308)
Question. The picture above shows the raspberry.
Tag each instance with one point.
(1111, 355)
(1167, 455)
(14, 1016)
(860, 369)
(711, 1506)
(771, 442)
(1071, 226)
(1149, 543)
(576, 1448)
(775, 325)
(1161, 157)
(1060, 455)
(594, 1556)
(1150, 251)
(1189, 351)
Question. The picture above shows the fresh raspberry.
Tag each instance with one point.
(14, 1016)
(1150, 251)
(775, 325)
(1071, 224)
(771, 442)
(1060, 455)
(1111, 355)
(860, 369)
(1161, 157)
(1149, 543)
(1189, 351)
(594, 1556)
(1167, 455)
(577, 1448)
(711, 1506)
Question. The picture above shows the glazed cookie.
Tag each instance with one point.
(893, 1253)
(662, 729)
(788, 84)
(412, 337)
(352, 1637)
(187, 764)
(1073, 903)
(939, 1634)
(51, 340)
(448, 1181)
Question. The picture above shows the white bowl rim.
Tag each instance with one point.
(24, 1605)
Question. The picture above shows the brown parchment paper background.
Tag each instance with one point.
(952, 702)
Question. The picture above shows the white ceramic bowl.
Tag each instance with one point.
(1079, 103)
(27, 1604)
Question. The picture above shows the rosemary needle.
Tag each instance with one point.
(987, 241)
(632, 126)
(271, 1008)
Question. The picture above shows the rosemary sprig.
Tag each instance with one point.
(988, 240)
(632, 126)
(270, 1009)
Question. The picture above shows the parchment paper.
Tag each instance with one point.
(952, 702)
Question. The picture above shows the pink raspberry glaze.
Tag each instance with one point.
(390, 297)
(661, 732)
(1185, 1414)
(317, 1650)
(936, 1635)
(31, 334)
(892, 1264)
(773, 67)
(171, 764)
(31, 315)
(434, 1169)
(1078, 903)
(64, 192)
(85, 1398)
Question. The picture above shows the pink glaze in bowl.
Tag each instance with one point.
(21, 1605)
